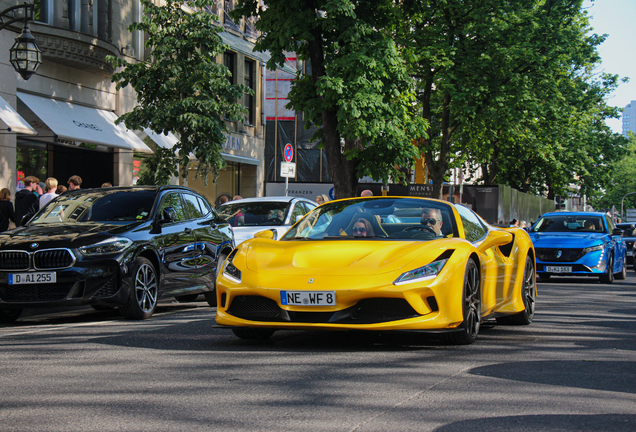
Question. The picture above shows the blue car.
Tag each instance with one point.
(578, 244)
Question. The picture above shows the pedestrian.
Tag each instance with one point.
(222, 199)
(514, 223)
(366, 193)
(74, 182)
(7, 214)
(237, 197)
(60, 189)
(40, 189)
(107, 184)
(325, 198)
(26, 202)
(51, 185)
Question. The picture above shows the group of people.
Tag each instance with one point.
(34, 196)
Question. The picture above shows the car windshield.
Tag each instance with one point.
(240, 213)
(115, 206)
(569, 223)
(376, 218)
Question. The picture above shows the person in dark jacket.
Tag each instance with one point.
(6, 209)
(26, 202)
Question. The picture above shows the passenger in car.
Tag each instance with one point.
(362, 228)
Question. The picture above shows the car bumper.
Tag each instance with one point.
(592, 264)
(91, 282)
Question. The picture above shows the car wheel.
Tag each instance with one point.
(528, 293)
(188, 298)
(253, 333)
(143, 298)
(210, 296)
(544, 277)
(471, 306)
(608, 277)
(622, 275)
(9, 315)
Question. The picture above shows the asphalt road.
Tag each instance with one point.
(573, 369)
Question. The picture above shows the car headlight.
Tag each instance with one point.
(229, 270)
(429, 271)
(592, 249)
(109, 246)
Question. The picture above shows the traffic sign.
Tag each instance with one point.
(287, 169)
(289, 153)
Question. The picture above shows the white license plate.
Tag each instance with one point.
(558, 269)
(308, 298)
(628, 253)
(32, 278)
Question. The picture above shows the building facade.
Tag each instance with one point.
(61, 122)
(629, 119)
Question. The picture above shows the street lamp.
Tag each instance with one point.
(623, 199)
(25, 55)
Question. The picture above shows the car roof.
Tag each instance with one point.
(572, 213)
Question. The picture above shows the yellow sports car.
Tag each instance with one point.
(383, 264)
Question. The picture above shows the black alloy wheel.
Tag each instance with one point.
(471, 305)
(143, 298)
(528, 293)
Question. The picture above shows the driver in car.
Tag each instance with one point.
(432, 218)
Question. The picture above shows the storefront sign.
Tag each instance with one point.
(232, 143)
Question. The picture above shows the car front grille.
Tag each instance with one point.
(552, 254)
(109, 289)
(14, 260)
(48, 259)
(367, 311)
(52, 259)
(34, 293)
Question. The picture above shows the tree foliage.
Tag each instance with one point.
(358, 90)
(180, 88)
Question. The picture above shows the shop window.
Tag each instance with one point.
(31, 160)
(248, 99)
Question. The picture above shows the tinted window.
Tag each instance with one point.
(569, 223)
(173, 200)
(192, 206)
(205, 206)
(99, 206)
(239, 213)
(473, 226)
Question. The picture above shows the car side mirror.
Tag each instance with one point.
(168, 215)
(298, 217)
(495, 238)
(270, 234)
(617, 231)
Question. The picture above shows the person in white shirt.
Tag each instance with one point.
(51, 186)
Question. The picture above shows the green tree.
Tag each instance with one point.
(495, 79)
(180, 88)
(358, 91)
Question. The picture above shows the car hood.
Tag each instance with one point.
(346, 257)
(245, 233)
(567, 240)
(70, 235)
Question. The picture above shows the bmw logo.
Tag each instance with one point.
(559, 253)
(34, 245)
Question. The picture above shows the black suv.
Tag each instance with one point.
(629, 236)
(125, 247)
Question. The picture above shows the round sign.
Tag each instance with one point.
(289, 153)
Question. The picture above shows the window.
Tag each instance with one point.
(228, 6)
(192, 206)
(229, 60)
(205, 206)
(173, 200)
(473, 227)
(248, 99)
(42, 11)
(299, 211)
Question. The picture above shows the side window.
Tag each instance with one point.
(192, 206)
(610, 224)
(309, 207)
(299, 211)
(473, 227)
(173, 200)
(205, 206)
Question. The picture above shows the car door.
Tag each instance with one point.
(176, 244)
(209, 238)
(617, 245)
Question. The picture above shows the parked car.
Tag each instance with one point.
(370, 264)
(579, 244)
(251, 215)
(123, 247)
(629, 236)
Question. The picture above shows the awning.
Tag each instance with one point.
(168, 141)
(12, 121)
(73, 124)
